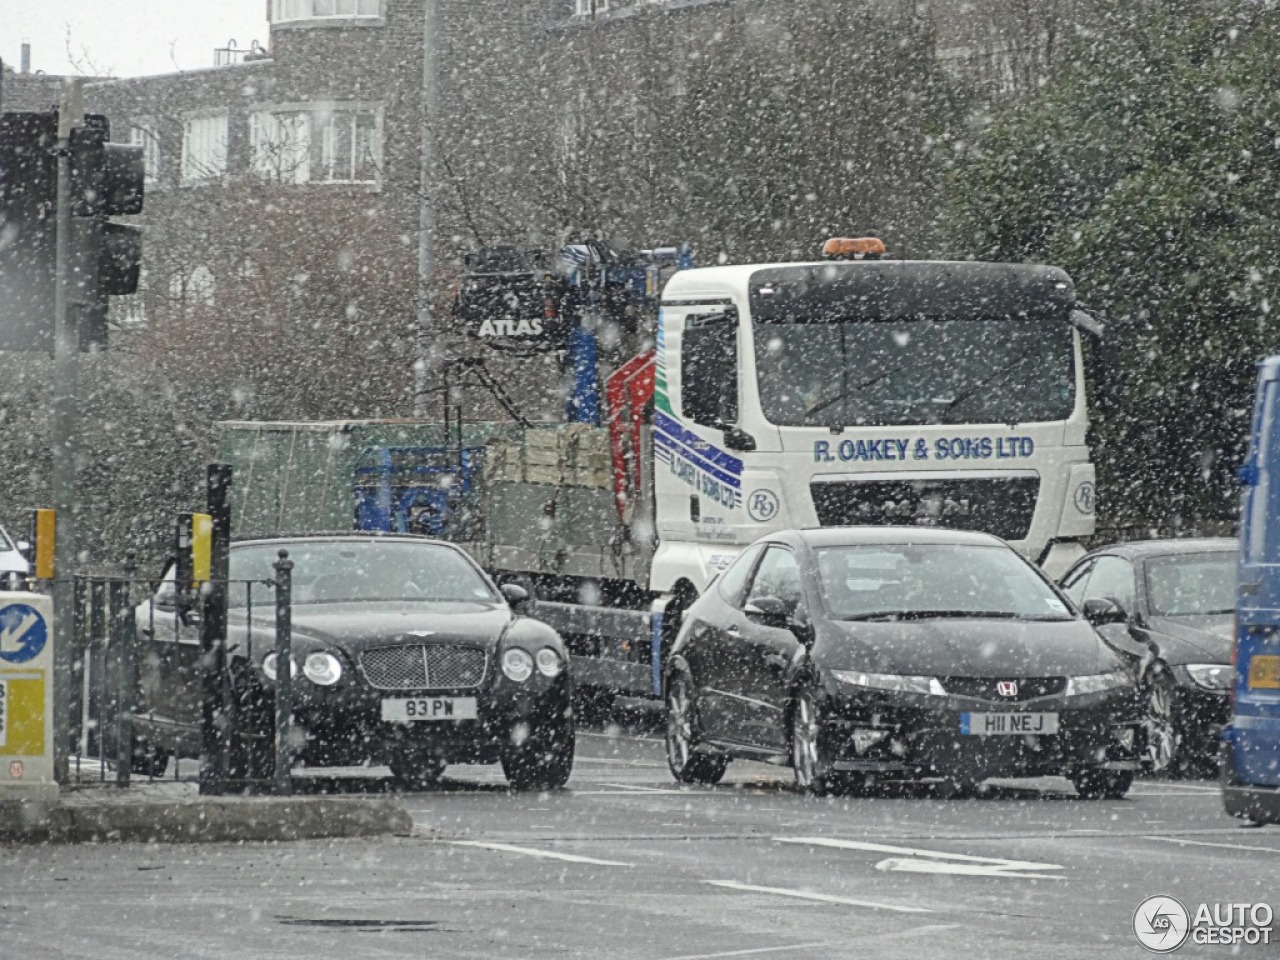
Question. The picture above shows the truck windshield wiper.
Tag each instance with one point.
(850, 391)
(980, 385)
(935, 615)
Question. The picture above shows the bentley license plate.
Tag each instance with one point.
(409, 709)
(987, 724)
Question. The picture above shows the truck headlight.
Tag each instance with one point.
(322, 669)
(1097, 683)
(1210, 676)
(894, 682)
(517, 664)
(549, 662)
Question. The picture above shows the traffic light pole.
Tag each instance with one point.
(66, 377)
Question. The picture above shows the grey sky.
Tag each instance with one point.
(126, 38)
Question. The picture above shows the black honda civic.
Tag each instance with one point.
(858, 654)
(404, 652)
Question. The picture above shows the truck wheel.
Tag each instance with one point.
(687, 764)
(545, 760)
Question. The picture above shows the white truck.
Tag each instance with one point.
(848, 391)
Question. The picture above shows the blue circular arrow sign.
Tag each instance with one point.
(23, 633)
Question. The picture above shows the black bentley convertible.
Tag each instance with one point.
(404, 653)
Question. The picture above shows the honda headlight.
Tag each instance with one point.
(322, 669)
(1210, 676)
(895, 682)
(517, 664)
(1097, 683)
(549, 662)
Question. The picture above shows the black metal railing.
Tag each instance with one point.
(148, 691)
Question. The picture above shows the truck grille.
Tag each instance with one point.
(985, 688)
(423, 667)
(1003, 507)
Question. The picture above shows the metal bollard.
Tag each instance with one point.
(126, 638)
(284, 673)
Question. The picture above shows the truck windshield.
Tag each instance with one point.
(916, 369)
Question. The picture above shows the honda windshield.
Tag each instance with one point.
(914, 581)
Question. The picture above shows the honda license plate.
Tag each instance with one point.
(410, 709)
(988, 724)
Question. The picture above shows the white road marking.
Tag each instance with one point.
(916, 860)
(746, 953)
(532, 852)
(1206, 843)
(636, 788)
(637, 794)
(921, 865)
(612, 761)
(810, 895)
(1186, 787)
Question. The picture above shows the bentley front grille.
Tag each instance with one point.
(423, 667)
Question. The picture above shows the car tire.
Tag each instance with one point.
(686, 762)
(1159, 725)
(1094, 784)
(414, 770)
(809, 759)
(544, 760)
(148, 760)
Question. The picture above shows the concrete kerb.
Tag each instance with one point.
(182, 816)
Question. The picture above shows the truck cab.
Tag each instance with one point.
(1251, 741)
(868, 392)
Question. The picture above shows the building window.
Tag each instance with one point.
(143, 134)
(204, 148)
(589, 8)
(285, 11)
(278, 146)
(315, 146)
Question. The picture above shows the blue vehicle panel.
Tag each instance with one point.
(1251, 742)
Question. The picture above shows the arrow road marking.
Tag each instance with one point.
(10, 636)
(810, 895)
(532, 852)
(936, 861)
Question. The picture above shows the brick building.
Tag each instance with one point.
(286, 188)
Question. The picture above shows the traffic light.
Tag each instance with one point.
(104, 257)
(106, 181)
(28, 194)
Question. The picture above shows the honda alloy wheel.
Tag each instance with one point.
(687, 763)
(808, 756)
(1159, 727)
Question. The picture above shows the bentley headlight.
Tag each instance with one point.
(517, 664)
(269, 667)
(894, 682)
(1097, 683)
(1210, 676)
(322, 669)
(549, 662)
